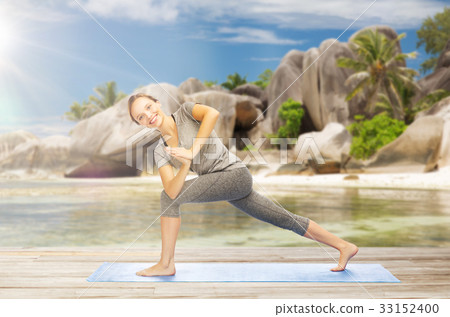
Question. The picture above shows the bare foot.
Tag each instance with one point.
(158, 269)
(347, 253)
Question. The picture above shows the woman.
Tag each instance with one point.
(192, 144)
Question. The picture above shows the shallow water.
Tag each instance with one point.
(115, 212)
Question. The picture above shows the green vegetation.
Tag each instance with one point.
(107, 97)
(209, 83)
(427, 102)
(432, 98)
(434, 33)
(406, 94)
(292, 113)
(79, 112)
(234, 80)
(378, 74)
(388, 87)
(264, 79)
(370, 135)
(248, 148)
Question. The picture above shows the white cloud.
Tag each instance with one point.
(252, 35)
(262, 14)
(293, 14)
(147, 11)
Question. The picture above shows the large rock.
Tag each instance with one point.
(290, 68)
(444, 58)
(332, 142)
(444, 156)
(314, 79)
(246, 114)
(230, 106)
(438, 79)
(253, 91)
(255, 133)
(441, 109)
(323, 86)
(416, 150)
(38, 157)
(225, 103)
(101, 168)
(249, 90)
(9, 141)
(192, 85)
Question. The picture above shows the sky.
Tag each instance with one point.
(54, 52)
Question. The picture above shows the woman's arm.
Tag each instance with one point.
(208, 117)
(173, 183)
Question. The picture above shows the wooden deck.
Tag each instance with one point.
(62, 273)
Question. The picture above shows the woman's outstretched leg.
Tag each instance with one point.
(166, 265)
(347, 250)
(262, 208)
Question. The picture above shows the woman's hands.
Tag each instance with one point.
(183, 155)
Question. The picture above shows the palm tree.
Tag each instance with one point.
(378, 71)
(264, 78)
(79, 112)
(107, 97)
(234, 80)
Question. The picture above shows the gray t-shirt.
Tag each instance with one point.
(213, 155)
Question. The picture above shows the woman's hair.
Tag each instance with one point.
(133, 99)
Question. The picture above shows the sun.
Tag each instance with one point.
(6, 38)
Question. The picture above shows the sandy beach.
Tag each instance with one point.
(434, 180)
(439, 179)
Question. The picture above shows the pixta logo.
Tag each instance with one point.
(308, 150)
(143, 145)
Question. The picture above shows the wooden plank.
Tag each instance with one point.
(426, 266)
(276, 291)
(239, 291)
(324, 290)
(81, 259)
(66, 282)
(238, 258)
(289, 252)
(75, 293)
(61, 273)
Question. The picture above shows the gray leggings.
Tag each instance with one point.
(236, 187)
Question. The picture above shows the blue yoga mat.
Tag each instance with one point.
(246, 272)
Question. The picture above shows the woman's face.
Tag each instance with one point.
(147, 112)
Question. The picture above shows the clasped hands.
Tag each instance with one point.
(182, 154)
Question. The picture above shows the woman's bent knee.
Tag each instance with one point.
(164, 195)
(171, 215)
(169, 207)
(244, 180)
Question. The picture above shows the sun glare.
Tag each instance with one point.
(6, 38)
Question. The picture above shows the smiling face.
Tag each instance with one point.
(147, 112)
